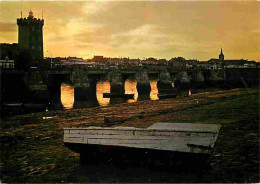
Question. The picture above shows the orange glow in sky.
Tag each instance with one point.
(162, 29)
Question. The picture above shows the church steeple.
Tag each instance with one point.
(221, 55)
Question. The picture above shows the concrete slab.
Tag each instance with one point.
(175, 137)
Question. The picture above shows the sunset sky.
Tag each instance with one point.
(160, 29)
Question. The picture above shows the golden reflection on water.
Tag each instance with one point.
(189, 92)
(67, 96)
(103, 87)
(154, 90)
(67, 93)
(130, 88)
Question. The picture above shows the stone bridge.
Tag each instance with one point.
(46, 84)
(84, 79)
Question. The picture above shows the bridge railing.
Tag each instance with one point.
(115, 67)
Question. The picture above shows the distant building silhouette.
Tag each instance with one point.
(8, 50)
(30, 36)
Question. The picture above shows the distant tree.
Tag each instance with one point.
(23, 61)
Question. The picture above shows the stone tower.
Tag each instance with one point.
(221, 56)
(30, 36)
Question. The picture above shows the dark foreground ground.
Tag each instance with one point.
(32, 148)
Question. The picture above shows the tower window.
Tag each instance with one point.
(33, 28)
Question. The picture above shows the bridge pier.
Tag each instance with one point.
(143, 85)
(55, 95)
(93, 80)
(199, 81)
(83, 104)
(81, 93)
(164, 81)
(85, 92)
(39, 93)
(216, 78)
(54, 85)
(184, 81)
(117, 83)
(82, 87)
(37, 87)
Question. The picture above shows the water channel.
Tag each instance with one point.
(67, 100)
(67, 95)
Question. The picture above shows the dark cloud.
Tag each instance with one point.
(83, 45)
(95, 36)
(8, 27)
(57, 39)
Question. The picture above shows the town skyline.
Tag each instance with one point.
(144, 29)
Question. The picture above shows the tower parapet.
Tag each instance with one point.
(30, 20)
(24, 21)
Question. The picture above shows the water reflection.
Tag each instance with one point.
(103, 87)
(154, 90)
(189, 92)
(67, 96)
(130, 88)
